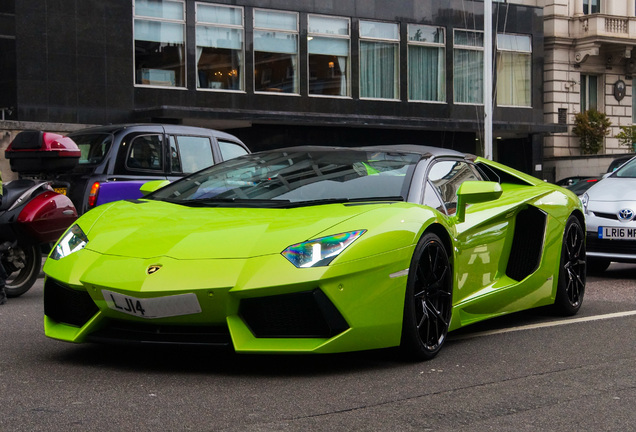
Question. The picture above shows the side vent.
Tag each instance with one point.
(527, 243)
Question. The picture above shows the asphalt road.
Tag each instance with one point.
(526, 372)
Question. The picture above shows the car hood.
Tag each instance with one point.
(613, 189)
(145, 229)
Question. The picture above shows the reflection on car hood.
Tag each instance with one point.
(613, 189)
(150, 228)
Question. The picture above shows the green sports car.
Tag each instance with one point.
(319, 250)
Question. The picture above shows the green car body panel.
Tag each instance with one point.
(227, 255)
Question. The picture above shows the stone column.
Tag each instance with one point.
(578, 7)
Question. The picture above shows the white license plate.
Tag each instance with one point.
(617, 233)
(156, 307)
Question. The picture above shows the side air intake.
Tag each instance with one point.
(527, 243)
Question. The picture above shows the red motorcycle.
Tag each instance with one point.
(32, 214)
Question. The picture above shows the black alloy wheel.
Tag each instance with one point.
(572, 273)
(428, 302)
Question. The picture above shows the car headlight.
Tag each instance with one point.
(320, 251)
(72, 241)
(585, 199)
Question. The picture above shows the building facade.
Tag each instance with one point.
(590, 62)
(281, 72)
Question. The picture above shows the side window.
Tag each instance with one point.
(431, 198)
(446, 176)
(230, 150)
(145, 153)
(195, 153)
(175, 161)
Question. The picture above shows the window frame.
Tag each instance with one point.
(241, 27)
(348, 71)
(459, 47)
(295, 32)
(444, 73)
(377, 40)
(519, 52)
(585, 92)
(183, 23)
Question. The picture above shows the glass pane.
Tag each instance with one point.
(514, 43)
(219, 68)
(145, 153)
(427, 73)
(219, 15)
(160, 9)
(219, 37)
(379, 30)
(468, 80)
(513, 79)
(328, 75)
(421, 33)
(469, 38)
(378, 70)
(275, 20)
(321, 45)
(195, 153)
(230, 150)
(275, 42)
(328, 25)
(275, 72)
(155, 31)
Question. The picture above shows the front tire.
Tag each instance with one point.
(428, 301)
(23, 264)
(572, 270)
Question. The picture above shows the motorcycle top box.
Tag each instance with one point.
(36, 152)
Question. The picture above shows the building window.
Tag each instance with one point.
(589, 92)
(427, 63)
(159, 27)
(220, 53)
(275, 51)
(468, 68)
(514, 70)
(379, 64)
(328, 43)
(633, 101)
(591, 6)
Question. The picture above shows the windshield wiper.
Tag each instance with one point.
(233, 202)
(370, 200)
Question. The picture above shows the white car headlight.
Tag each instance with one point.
(72, 241)
(320, 251)
(585, 199)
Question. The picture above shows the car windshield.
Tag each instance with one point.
(626, 171)
(291, 178)
(94, 146)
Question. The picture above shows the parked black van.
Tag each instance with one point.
(115, 160)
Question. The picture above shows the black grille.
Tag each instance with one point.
(67, 305)
(121, 332)
(594, 244)
(527, 243)
(612, 216)
(308, 314)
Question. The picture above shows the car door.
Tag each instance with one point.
(481, 238)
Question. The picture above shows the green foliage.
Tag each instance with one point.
(627, 136)
(591, 127)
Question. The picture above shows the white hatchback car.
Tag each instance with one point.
(610, 216)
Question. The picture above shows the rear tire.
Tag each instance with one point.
(428, 300)
(23, 264)
(572, 270)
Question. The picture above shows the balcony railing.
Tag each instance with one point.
(604, 26)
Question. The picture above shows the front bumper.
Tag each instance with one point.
(262, 304)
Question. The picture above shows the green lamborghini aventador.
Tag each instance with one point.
(319, 250)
